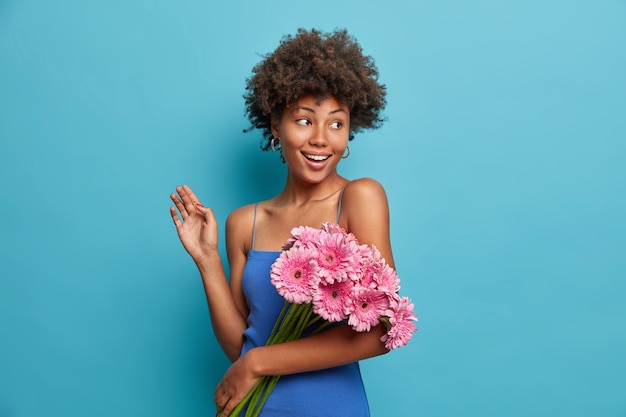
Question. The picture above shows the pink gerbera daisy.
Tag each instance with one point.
(368, 306)
(336, 258)
(294, 274)
(334, 228)
(331, 301)
(302, 236)
(369, 272)
(369, 264)
(388, 282)
(401, 318)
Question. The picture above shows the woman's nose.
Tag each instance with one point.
(318, 137)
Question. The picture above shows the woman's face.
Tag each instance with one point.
(313, 134)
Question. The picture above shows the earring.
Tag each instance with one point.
(275, 144)
(345, 155)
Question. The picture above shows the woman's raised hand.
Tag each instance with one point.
(196, 225)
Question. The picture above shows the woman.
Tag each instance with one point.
(308, 97)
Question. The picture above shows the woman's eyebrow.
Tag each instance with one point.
(311, 110)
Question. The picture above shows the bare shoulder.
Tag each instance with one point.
(239, 227)
(364, 191)
(241, 214)
(365, 212)
(364, 203)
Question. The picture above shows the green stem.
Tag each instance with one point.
(321, 327)
(291, 323)
(280, 318)
(271, 383)
(254, 405)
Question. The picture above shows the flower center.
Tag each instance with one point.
(297, 274)
(334, 294)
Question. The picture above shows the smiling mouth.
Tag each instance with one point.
(316, 158)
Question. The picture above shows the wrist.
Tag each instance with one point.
(253, 362)
(207, 259)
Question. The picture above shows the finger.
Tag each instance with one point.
(219, 410)
(188, 200)
(179, 205)
(207, 213)
(223, 401)
(185, 194)
(191, 194)
(220, 398)
(227, 409)
(175, 218)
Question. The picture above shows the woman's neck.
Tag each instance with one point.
(298, 193)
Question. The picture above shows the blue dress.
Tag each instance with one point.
(335, 391)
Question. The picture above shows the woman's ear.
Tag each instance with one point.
(274, 122)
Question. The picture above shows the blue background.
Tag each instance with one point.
(503, 159)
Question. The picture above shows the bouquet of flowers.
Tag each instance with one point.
(326, 276)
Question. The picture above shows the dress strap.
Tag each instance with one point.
(254, 225)
(339, 205)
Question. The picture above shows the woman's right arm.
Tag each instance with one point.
(197, 230)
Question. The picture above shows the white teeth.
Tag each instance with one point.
(317, 157)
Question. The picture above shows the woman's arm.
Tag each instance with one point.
(334, 347)
(197, 230)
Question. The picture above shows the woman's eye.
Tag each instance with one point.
(336, 125)
(303, 122)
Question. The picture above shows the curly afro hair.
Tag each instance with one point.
(322, 64)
